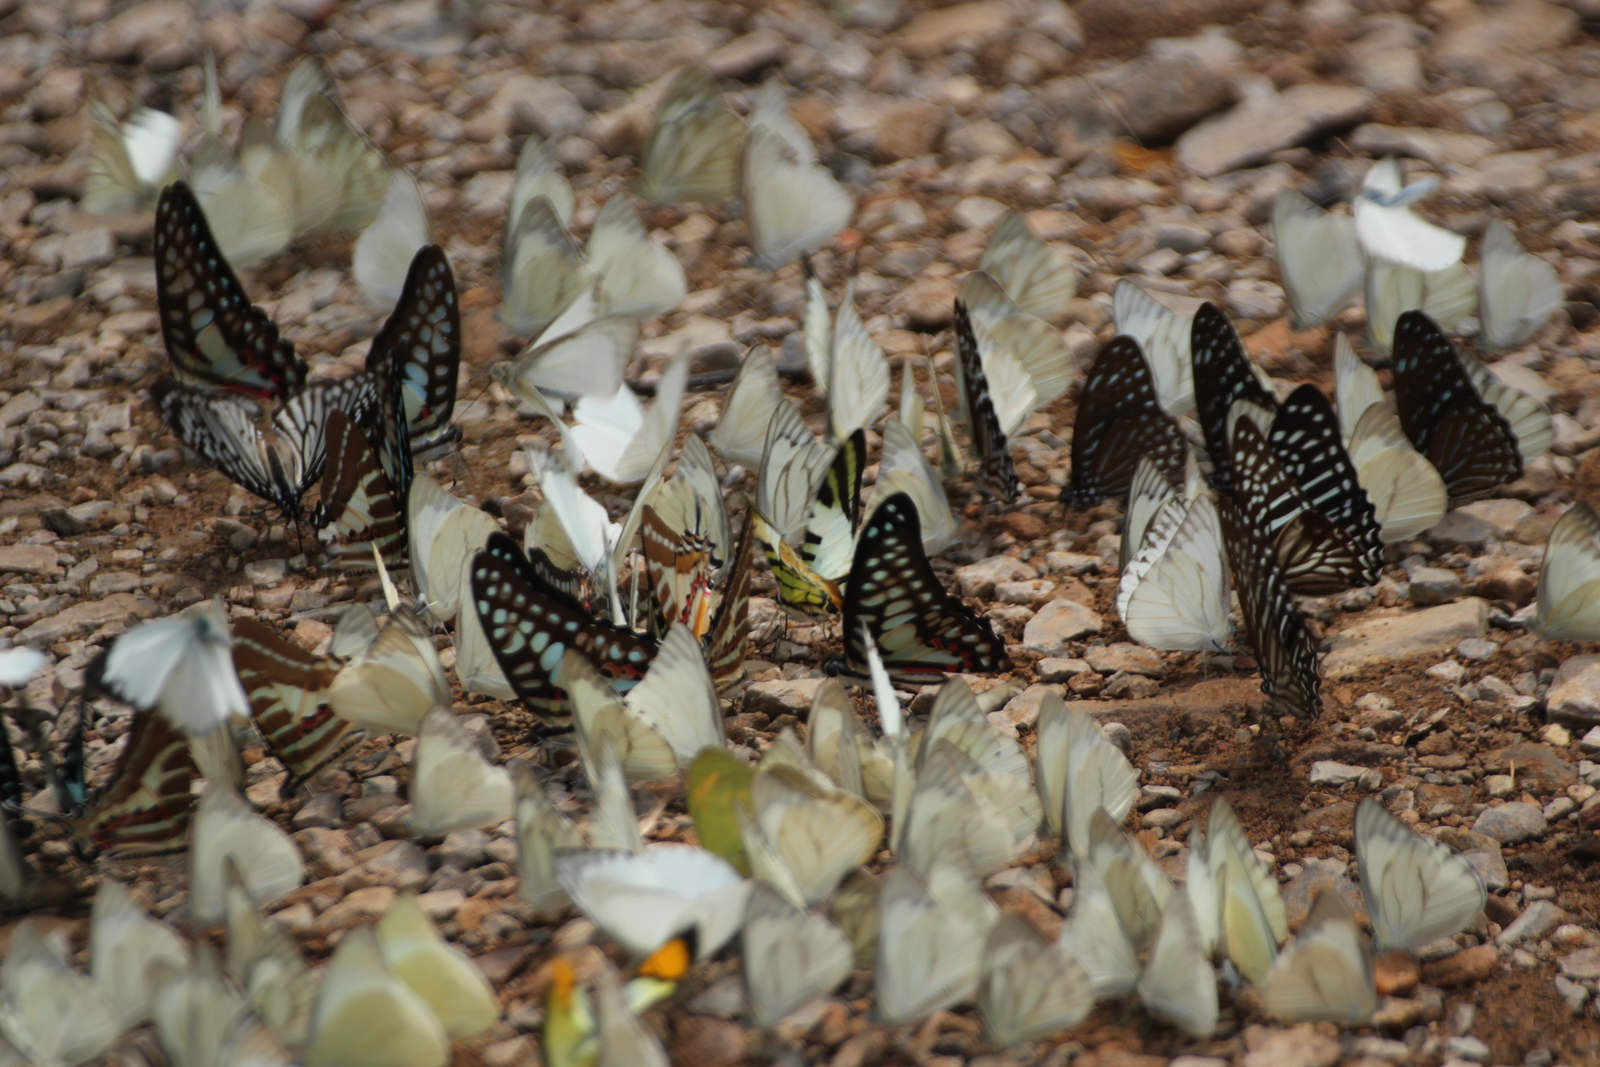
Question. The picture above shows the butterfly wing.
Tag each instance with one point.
(1319, 257)
(693, 148)
(287, 688)
(994, 452)
(1119, 421)
(146, 807)
(1568, 606)
(1222, 375)
(1305, 438)
(360, 506)
(419, 346)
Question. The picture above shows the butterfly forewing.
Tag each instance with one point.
(146, 807)
(530, 627)
(1277, 632)
(994, 453)
(922, 632)
(1470, 442)
(420, 345)
(359, 504)
(1119, 420)
(287, 688)
(1222, 375)
(221, 428)
(214, 335)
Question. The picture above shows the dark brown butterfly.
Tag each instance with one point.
(1119, 420)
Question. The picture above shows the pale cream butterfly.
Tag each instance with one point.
(789, 956)
(638, 276)
(619, 439)
(1568, 605)
(948, 822)
(367, 1015)
(930, 947)
(1319, 258)
(180, 666)
(1079, 771)
(19, 664)
(51, 1012)
(1390, 232)
(226, 828)
(792, 204)
(1417, 890)
(130, 161)
(385, 248)
(1036, 276)
(613, 823)
(202, 1021)
(1139, 890)
(840, 746)
(538, 174)
(1448, 295)
(438, 972)
(747, 409)
(695, 142)
(1178, 984)
(1174, 591)
(444, 531)
(644, 898)
(1025, 362)
(543, 272)
(1325, 973)
(130, 954)
(391, 684)
(1029, 987)
(1163, 336)
(1516, 291)
(846, 363)
(264, 960)
(542, 830)
(453, 787)
(818, 832)
(1093, 935)
(903, 468)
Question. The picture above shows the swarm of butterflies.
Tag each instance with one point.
(1266, 496)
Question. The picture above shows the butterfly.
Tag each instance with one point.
(178, 666)
(54, 1013)
(360, 509)
(1028, 987)
(1407, 494)
(1118, 421)
(1569, 578)
(228, 832)
(902, 468)
(1223, 374)
(1447, 295)
(453, 787)
(642, 899)
(1417, 890)
(1024, 360)
(621, 441)
(844, 360)
(1031, 272)
(393, 238)
(128, 161)
(693, 149)
(747, 409)
(1273, 626)
(789, 956)
(807, 579)
(930, 944)
(538, 174)
(988, 438)
(1178, 984)
(1235, 896)
(365, 1011)
(1387, 229)
(1319, 258)
(1516, 291)
(1478, 433)
(963, 814)
(792, 204)
(1173, 593)
(1093, 935)
(530, 625)
(419, 347)
(895, 600)
(145, 807)
(130, 954)
(442, 532)
(445, 977)
(1163, 337)
(1326, 971)
(20, 663)
(288, 692)
(1079, 772)
(803, 834)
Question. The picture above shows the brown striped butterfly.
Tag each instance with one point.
(145, 808)
(287, 687)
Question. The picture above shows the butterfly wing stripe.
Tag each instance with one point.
(287, 687)
(358, 504)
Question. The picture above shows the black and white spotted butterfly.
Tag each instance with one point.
(1478, 432)
(1273, 626)
(994, 452)
(922, 631)
(1223, 375)
(1119, 420)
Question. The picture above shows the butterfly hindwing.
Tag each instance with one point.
(1118, 421)
(420, 345)
(146, 807)
(287, 688)
(359, 501)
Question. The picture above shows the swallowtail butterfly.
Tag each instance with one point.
(1118, 421)
(146, 806)
(1223, 374)
(287, 688)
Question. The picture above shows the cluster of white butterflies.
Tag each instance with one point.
(1402, 261)
(311, 171)
(395, 992)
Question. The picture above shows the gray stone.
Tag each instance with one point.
(1574, 995)
(265, 572)
(1058, 623)
(1123, 656)
(1467, 1047)
(1434, 585)
(782, 696)
(1059, 668)
(1476, 649)
(1488, 46)
(1430, 631)
(1582, 965)
(1296, 1046)
(1511, 822)
(143, 30)
(1265, 122)
(1474, 525)
(1536, 920)
(40, 560)
(1436, 147)
(1574, 695)
(979, 579)
(1331, 772)
(1162, 818)
(1590, 742)
(87, 616)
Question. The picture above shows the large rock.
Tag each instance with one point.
(1513, 822)
(1574, 696)
(1057, 623)
(1419, 633)
(29, 559)
(86, 617)
(1265, 122)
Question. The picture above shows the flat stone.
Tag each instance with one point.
(1057, 623)
(1582, 965)
(979, 579)
(1465, 967)
(1158, 95)
(1436, 147)
(1331, 772)
(1123, 656)
(1432, 631)
(781, 696)
(1536, 920)
(358, 905)
(143, 30)
(1480, 522)
(29, 559)
(1574, 695)
(963, 26)
(1434, 585)
(86, 617)
(1536, 766)
(1511, 822)
(1265, 122)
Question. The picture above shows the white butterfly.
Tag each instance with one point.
(443, 531)
(543, 272)
(1449, 296)
(792, 204)
(613, 824)
(1387, 229)
(903, 468)
(1568, 606)
(476, 667)
(538, 174)
(930, 944)
(366, 1014)
(979, 762)
(841, 748)
(1416, 890)
(594, 539)
(226, 828)
(541, 832)
(49, 1011)
(1173, 593)
(638, 276)
(1163, 336)
(385, 248)
(623, 1037)
(180, 666)
(792, 464)
(789, 956)
(812, 832)
(1024, 359)
(692, 151)
(845, 361)
(340, 166)
(619, 439)
(1235, 896)
(202, 1021)
(1029, 988)
(130, 954)
(1139, 890)
(1178, 984)
(453, 787)
(388, 686)
(438, 972)
(1033, 273)
(1528, 416)
(1326, 971)
(1516, 291)
(19, 664)
(643, 898)
(1406, 490)
(1319, 258)
(1093, 936)
(129, 162)
(747, 409)
(250, 217)
(659, 725)
(1079, 771)
(265, 961)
